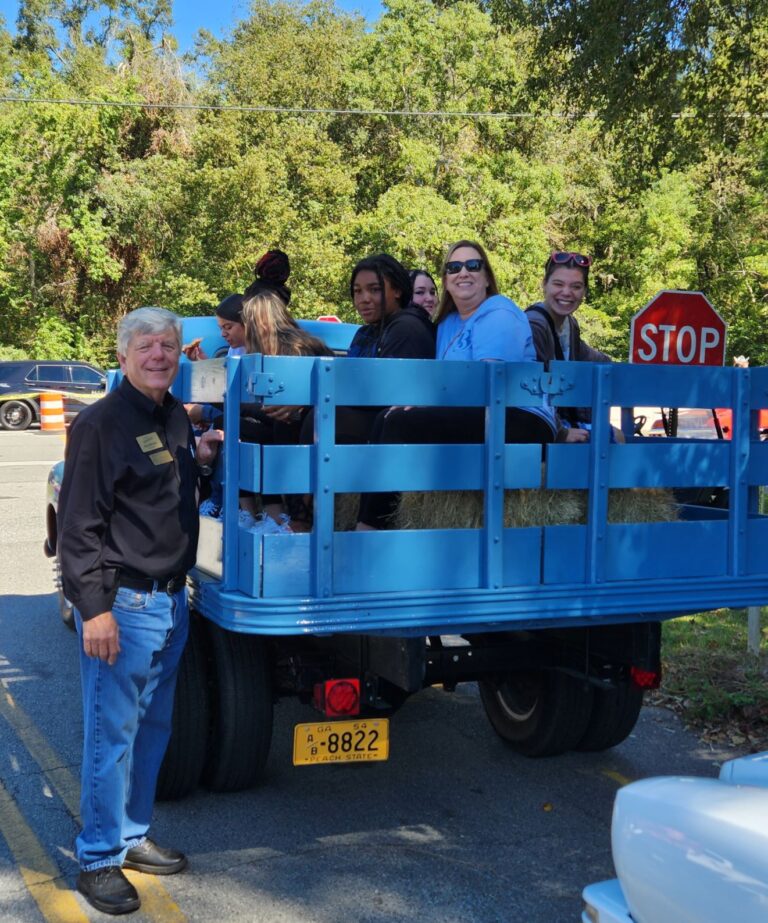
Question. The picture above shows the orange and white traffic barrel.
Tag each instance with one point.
(51, 412)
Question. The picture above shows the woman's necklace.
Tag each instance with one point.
(462, 324)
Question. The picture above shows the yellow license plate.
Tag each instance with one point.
(361, 740)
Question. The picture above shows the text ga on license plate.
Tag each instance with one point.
(361, 740)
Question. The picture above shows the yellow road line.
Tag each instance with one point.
(65, 784)
(156, 902)
(45, 882)
(616, 776)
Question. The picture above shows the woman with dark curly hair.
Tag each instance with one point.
(393, 327)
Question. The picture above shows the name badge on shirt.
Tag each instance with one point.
(150, 442)
(161, 458)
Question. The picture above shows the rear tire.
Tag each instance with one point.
(615, 710)
(16, 415)
(242, 704)
(537, 713)
(66, 609)
(185, 757)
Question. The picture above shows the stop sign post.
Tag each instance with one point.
(677, 328)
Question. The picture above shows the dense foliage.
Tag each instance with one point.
(635, 131)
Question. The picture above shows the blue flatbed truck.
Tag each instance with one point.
(559, 624)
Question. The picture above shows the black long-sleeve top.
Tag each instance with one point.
(406, 334)
(128, 500)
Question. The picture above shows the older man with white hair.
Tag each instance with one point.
(128, 529)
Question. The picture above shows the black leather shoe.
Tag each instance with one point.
(108, 890)
(154, 860)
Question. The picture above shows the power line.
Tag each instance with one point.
(295, 110)
(305, 110)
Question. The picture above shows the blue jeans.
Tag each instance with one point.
(127, 711)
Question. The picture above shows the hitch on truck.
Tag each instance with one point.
(557, 621)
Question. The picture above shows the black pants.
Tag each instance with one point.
(457, 425)
(354, 425)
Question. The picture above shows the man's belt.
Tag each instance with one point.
(169, 585)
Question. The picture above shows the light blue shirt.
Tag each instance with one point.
(498, 329)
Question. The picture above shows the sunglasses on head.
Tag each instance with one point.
(455, 266)
(561, 257)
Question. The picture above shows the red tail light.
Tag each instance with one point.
(336, 697)
(645, 679)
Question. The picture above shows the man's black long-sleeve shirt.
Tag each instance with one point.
(128, 500)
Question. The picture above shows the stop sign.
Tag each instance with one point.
(677, 328)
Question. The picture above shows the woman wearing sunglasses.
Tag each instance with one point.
(474, 322)
(556, 333)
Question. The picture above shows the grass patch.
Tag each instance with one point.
(711, 680)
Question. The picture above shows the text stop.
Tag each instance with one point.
(684, 345)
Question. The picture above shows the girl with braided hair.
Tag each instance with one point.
(393, 328)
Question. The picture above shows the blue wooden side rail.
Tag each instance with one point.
(493, 578)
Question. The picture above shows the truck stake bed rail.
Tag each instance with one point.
(418, 581)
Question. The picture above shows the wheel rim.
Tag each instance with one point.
(518, 696)
(15, 414)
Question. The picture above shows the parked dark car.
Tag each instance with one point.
(23, 380)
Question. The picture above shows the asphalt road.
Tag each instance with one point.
(452, 829)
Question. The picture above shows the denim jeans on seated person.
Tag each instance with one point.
(127, 710)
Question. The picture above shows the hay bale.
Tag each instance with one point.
(345, 512)
(444, 509)
(525, 508)
(642, 504)
(544, 508)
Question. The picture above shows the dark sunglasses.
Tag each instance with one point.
(561, 257)
(455, 266)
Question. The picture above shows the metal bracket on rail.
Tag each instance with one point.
(264, 384)
(548, 383)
